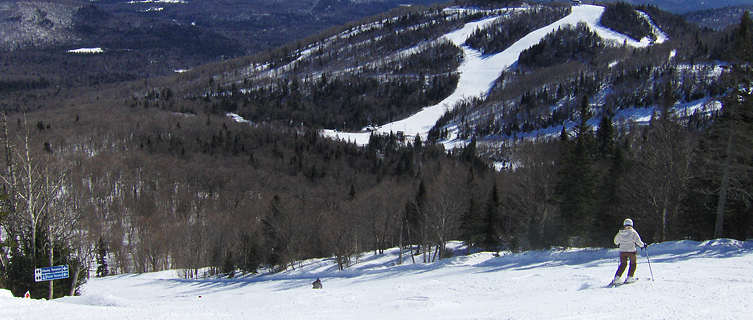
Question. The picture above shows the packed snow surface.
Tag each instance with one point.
(693, 280)
(478, 72)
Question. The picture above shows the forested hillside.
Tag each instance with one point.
(718, 19)
(145, 39)
(152, 174)
(684, 6)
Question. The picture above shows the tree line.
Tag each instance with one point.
(162, 191)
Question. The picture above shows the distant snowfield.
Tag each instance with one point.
(478, 72)
(86, 51)
(693, 280)
(158, 1)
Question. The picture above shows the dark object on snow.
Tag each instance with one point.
(317, 284)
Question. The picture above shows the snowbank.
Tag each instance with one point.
(4, 293)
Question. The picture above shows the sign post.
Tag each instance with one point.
(51, 273)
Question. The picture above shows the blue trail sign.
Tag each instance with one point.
(51, 273)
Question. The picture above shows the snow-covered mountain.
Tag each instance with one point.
(478, 72)
(487, 102)
(155, 37)
(718, 19)
(691, 280)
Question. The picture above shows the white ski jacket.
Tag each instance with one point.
(627, 239)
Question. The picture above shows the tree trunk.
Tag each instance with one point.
(664, 222)
(723, 187)
(76, 271)
(721, 203)
(12, 182)
(400, 246)
(52, 261)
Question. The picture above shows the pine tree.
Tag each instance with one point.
(415, 216)
(19, 276)
(743, 41)
(605, 136)
(352, 192)
(725, 163)
(491, 221)
(102, 251)
(576, 181)
(274, 235)
(608, 194)
(471, 225)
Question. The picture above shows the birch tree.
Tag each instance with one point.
(33, 184)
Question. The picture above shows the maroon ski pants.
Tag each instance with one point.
(624, 257)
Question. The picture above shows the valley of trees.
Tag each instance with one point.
(152, 175)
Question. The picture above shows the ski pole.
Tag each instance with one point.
(649, 263)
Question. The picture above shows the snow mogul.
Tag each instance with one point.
(627, 239)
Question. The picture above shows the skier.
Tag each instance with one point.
(627, 238)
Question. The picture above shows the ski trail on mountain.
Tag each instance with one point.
(477, 72)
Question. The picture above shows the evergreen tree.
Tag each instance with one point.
(564, 136)
(250, 252)
(605, 136)
(19, 276)
(102, 251)
(415, 215)
(471, 225)
(352, 192)
(608, 214)
(743, 43)
(492, 223)
(724, 161)
(228, 265)
(274, 235)
(576, 182)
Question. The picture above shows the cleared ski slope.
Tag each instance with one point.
(693, 280)
(478, 72)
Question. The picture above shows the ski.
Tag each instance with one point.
(617, 284)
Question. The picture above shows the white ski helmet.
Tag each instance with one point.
(627, 222)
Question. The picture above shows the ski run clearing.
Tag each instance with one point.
(693, 280)
(478, 72)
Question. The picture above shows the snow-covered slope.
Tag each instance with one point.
(478, 72)
(693, 280)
